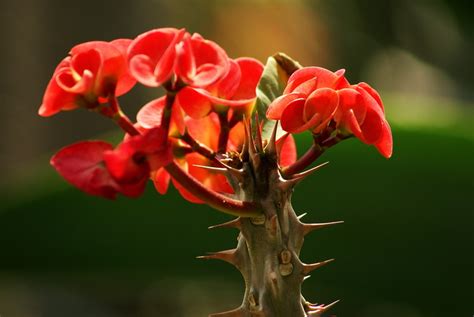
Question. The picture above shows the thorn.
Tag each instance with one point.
(271, 147)
(234, 223)
(238, 173)
(212, 168)
(244, 154)
(306, 277)
(309, 227)
(252, 149)
(318, 309)
(302, 215)
(228, 256)
(308, 268)
(238, 312)
(306, 173)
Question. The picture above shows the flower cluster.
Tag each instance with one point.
(206, 92)
(315, 97)
(201, 117)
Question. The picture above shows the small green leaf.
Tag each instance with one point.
(275, 76)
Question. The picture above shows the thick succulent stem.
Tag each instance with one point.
(268, 249)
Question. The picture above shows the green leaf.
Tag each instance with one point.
(275, 76)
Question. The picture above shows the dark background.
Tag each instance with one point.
(406, 248)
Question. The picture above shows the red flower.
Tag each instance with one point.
(200, 62)
(314, 96)
(152, 55)
(134, 159)
(237, 90)
(92, 72)
(96, 168)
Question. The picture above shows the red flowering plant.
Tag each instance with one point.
(222, 134)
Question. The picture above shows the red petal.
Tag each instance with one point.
(81, 165)
(236, 137)
(201, 62)
(227, 87)
(251, 70)
(350, 99)
(205, 130)
(276, 108)
(385, 144)
(372, 127)
(152, 54)
(372, 92)
(133, 190)
(326, 78)
(126, 81)
(292, 116)
(353, 125)
(288, 153)
(323, 101)
(82, 86)
(194, 102)
(56, 99)
(150, 115)
(161, 180)
(307, 87)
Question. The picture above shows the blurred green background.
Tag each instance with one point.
(406, 248)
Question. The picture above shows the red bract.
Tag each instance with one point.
(151, 115)
(237, 90)
(200, 62)
(314, 96)
(92, 72)
(82, 165)
(309, 101)
(152, 55)
(133, 160)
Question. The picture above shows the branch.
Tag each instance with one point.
(214, 199)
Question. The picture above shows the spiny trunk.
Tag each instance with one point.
(268, 249)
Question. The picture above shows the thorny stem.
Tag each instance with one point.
(304, 161)
(198, 146)
(212, 198)
(321, 143)
(224, 132)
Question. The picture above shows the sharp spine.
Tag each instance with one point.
(228, 256)
(308, 172)
(309, 227)
(212, 168)
(308, 268)
(234, 223)
(271, 148)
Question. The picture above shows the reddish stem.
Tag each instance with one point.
(199, 147)
(224, 132)
(119, 117)
(212, 198)
(321, 143)
(313, 153)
